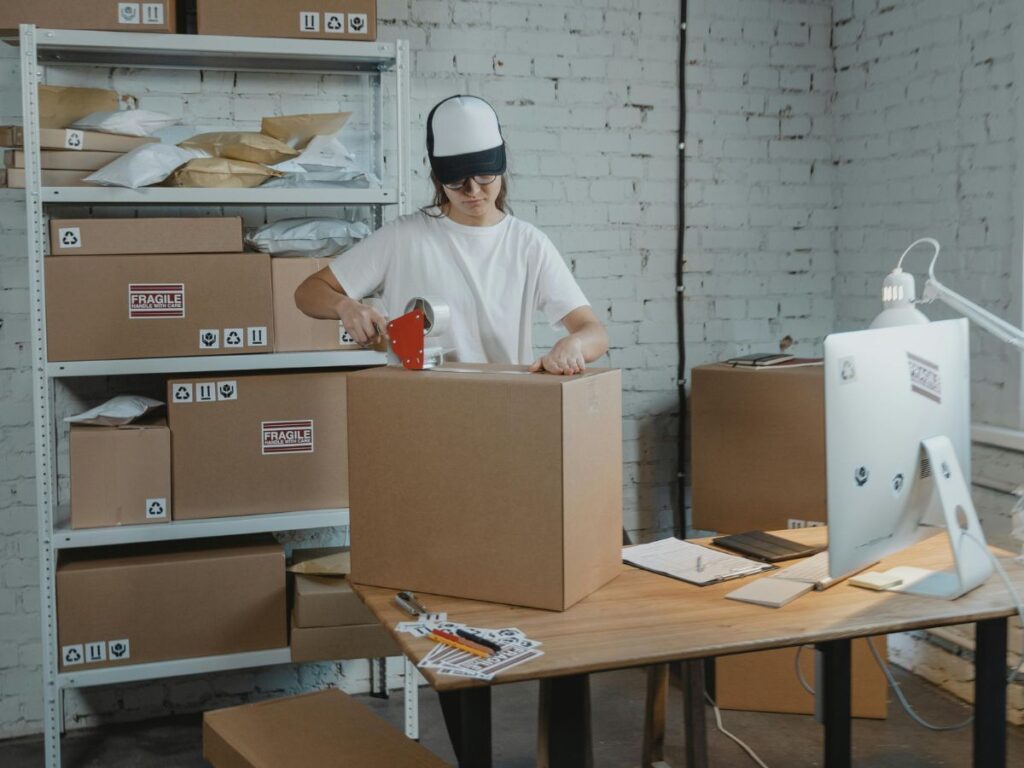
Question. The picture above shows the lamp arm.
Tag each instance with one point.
(998, 327)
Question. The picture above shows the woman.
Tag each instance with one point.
(491, 268)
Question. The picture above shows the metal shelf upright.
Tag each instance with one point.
(388, 63)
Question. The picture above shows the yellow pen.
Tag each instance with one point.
(438, 638)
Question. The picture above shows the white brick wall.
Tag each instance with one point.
(586, 90)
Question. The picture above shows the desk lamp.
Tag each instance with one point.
(899, 300)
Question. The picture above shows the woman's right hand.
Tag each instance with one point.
(365, 324)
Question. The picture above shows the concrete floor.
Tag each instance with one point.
(782, 741)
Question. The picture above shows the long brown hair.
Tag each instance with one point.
(441, 199)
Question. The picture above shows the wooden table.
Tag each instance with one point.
(641, 619)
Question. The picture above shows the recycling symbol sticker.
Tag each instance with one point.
(334, 22)
(182, 393)
(156, 509)
(234, 337)
(70, 237)
(73, 139)
(72, 654)
(357, 23)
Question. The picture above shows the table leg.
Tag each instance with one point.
(467, 714)
(835, 656)
(654, 715)
(694, 721)
(990, 693)
(563, 727)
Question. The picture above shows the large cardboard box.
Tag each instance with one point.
(16, 178)
(63, 160)
(314, 730)
(326, 19)
(120, 475)
(486, 482)
(74, 140)
(766, 681)
(353, 641)
(166, 305)
(295, 331)
(150, 16)
(328, 601)
(251, 444)
(170, 601)
(86, 237)
(758, 456)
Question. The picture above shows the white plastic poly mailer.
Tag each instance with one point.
(131, 122)
(116, 412)
(142, 166)
(312, 237)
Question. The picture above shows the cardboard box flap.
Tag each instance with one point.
(322, 561)
(129, 556)
(315, 729)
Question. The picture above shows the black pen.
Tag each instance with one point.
(479, 640)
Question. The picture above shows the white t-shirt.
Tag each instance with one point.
(493, 278)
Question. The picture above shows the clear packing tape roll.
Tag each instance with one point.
(437, 315)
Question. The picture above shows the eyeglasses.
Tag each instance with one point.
(461, 184)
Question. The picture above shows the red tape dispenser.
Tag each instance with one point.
(408, 333)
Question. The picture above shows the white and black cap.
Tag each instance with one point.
(464, 139)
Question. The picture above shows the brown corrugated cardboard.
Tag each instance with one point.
(245, 445)
(84, 237)
(73, 140)
(16, 178)
(314, 730)
(295, 331)
(166, 305)
(120, 475)
(327, 19)
(328, 601)
(514, 480)
(158, 16)
(63, 159)
(766, 681)
(321, 561)
(61, 105)
(129, 605)
(354, 641)
(758, 452)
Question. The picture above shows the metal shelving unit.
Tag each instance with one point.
(383, 64)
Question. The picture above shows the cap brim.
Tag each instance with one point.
(455, 167)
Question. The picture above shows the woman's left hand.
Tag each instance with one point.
(566, 357)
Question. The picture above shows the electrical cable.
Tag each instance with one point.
(680, 262)
(728, 734)
(894, 683)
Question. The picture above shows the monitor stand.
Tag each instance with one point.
(971, 563)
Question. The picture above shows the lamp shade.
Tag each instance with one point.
(899, 295)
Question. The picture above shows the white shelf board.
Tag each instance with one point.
(64, 537)
(204, 196)
(212, 363)
(170, 51)
(175, 668)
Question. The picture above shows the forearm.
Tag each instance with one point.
(593, 339)
(318, 299)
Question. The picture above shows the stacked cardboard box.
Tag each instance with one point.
(130, 288)
(325, 19)
(151, 16)
(329, 621)
(120, 475)
(293, 330)
(170, 601)
(253, 444)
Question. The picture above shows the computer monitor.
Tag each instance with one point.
(898, 451)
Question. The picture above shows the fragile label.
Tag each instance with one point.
(73, 139)
(152, 13)
(287, 436)
(156, 300)
(69, 237)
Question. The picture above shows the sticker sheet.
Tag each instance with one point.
(516, 648)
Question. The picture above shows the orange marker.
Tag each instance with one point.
(458, 644)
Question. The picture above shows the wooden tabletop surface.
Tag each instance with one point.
(641, 618)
